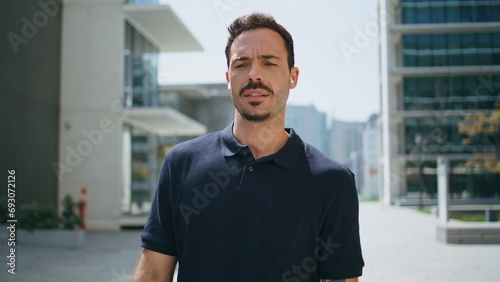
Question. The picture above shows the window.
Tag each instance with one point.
(424, 12)
(450, 93)
(451, 50)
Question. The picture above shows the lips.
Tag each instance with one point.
(255, 89)
(255, 93)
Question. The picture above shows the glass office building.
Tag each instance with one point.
(440, 70)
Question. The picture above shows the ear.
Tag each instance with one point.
(294, 77)
(228, 81)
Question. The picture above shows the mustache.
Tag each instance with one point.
(255, 85)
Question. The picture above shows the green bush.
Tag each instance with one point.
(33, 216)
(70, 220)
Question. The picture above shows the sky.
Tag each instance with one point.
(336, 50)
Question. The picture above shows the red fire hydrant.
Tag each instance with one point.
(82, 204)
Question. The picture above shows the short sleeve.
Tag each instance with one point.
(158, 234)
(339, 247)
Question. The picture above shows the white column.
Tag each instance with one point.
(385, 103)
(443, 183)
(90, 151)
(127, 168)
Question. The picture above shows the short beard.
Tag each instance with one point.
(255, 118)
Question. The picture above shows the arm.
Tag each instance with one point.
(154, 266)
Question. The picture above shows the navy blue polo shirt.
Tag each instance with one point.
(291, 216)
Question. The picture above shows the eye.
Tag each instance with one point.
(270, 64)
(239, 66)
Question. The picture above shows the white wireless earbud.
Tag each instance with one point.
(291, 81)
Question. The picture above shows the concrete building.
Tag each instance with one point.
(310, 124)
(203, 107)
(440, 64)
(209, 104)
(73, 74)
(371, 154)
(346, 146)
(345, 138)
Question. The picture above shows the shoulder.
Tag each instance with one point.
(198, 146)
(324, 166)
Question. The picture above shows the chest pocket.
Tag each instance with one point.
(281, 225)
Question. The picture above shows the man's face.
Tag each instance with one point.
(259, 78)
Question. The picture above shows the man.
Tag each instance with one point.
(253, 202)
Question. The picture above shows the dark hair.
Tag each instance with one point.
(255, 21)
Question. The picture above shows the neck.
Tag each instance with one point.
(263, 138)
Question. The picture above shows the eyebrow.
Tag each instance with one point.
(265, 57)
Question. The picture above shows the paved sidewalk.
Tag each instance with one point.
(398, 245)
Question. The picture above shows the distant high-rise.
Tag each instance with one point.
(371, 152)
(440, 71)
(310, 124)
(346, 146)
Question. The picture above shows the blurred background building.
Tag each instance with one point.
(346, 146)
(209, 106)
(310, 124)
(80, 92)
(371, 156)
(440, 87)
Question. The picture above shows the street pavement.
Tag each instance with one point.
(399, 244)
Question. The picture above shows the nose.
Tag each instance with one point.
(255, 74)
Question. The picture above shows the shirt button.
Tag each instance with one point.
(250, 168)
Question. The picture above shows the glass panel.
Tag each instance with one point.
(484, 56)
(408, 15)
(495, 60)
(423, 14)
(454, 54)
(466, 12)
(424, 50)
(469, 49)
(409, 51)
(451, 93)
(495, 12)
(440, 53)
(452, 12)
(438, 13)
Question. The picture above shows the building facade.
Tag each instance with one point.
(371, 154)
(346, 146)
(198, 108)
(75, 73)
(440, 72)
(310, 124)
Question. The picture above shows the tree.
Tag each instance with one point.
(483, 129)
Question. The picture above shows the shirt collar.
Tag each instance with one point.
(287, 157)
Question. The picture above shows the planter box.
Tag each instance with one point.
(61, 238)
